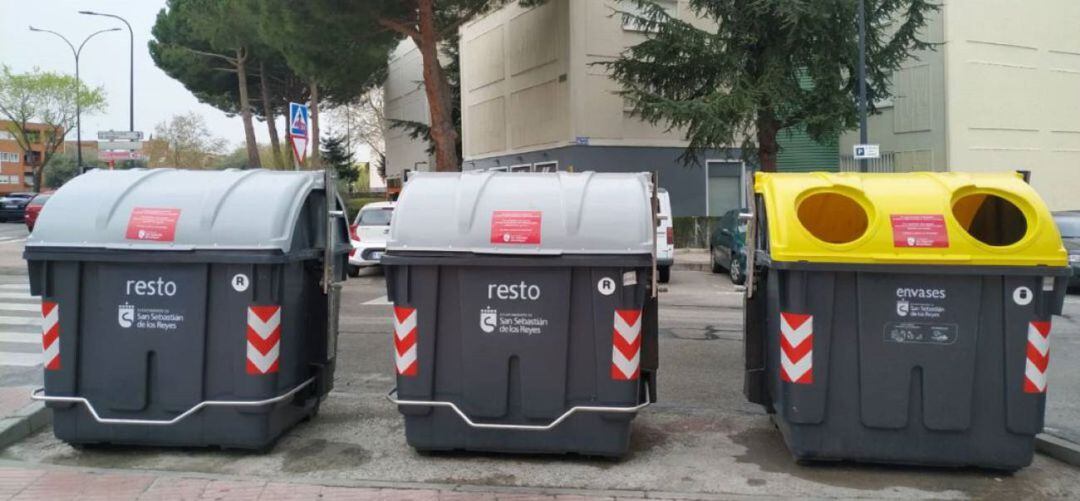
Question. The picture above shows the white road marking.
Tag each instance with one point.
(379, 301)
(17, 359)
(5, 320)
(17, 295)
(13, 307)
(21, 287)
(20, 337)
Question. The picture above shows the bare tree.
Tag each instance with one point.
(364, 122)
(182, 142)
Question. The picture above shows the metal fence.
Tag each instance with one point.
(693, 232)
(886, 163)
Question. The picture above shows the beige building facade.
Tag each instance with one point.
(530, 79)
(534, 98)
(1001, 92)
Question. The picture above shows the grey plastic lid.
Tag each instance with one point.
(524, 213)
(223, 210)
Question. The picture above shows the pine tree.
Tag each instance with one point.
(336, 154)
(737, 82)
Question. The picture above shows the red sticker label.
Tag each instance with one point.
(158, 225)
(515, 227)
(919, 230)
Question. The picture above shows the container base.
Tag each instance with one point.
(256, 430)
(586, 434)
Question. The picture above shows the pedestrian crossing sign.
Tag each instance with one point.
(298, 120)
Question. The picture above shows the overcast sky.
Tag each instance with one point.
(104, 62)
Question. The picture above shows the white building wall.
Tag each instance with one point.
(405, 100)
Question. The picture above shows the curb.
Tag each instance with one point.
(23, 423)
(691, 266)
(1058, 448)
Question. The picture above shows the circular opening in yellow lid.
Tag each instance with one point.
(990, 219)
(833, 217)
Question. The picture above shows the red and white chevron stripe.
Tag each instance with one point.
(263, 339)
(405, 341)
(626, 345)
(1038, 357)
(796, 348)
(50, 334)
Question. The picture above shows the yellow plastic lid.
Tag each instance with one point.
(930, 218)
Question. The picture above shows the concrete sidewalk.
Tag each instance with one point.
(34, 482)
(20, 416)
(692, 260)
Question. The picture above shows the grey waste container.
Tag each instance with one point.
(185, 308)
(524, 319)
(903, 318)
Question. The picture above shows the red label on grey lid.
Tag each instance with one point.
(515, 227)
(919, 230)
(152, 224)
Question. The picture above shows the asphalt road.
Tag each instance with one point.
(702, 438)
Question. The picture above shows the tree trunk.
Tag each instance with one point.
(316, 162)
(268, 112)
(767, 129)
(245, 110)
(437, 88)
(39, 175)
(290, 156)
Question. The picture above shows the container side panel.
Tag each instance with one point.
(1026, 406)
(143, 337)
(514, 328)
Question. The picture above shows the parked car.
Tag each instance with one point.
(368, 235)
(34, 208)
(665, 238)
(727, 246)
(13, 206)
(1068, 223)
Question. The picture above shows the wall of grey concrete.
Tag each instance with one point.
(687, 184)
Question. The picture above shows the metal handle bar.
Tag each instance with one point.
(391, 396)
(38, 394)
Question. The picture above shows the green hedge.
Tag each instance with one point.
(355, 204)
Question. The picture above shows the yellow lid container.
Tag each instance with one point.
(926, 218)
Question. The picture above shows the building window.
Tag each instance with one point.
(546, 167)
(6, 135)
(9, 158)
(630, 23)
(521, 168)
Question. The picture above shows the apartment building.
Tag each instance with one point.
(533, 100)
(404, 99)
(16, 167)
(1001, 92)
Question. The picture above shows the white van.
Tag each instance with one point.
(665, 238)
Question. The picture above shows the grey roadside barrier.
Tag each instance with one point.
(524, 310)
(187, 308)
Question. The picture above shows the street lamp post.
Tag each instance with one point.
(78, 88)
(131, 64)
(863, 133)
